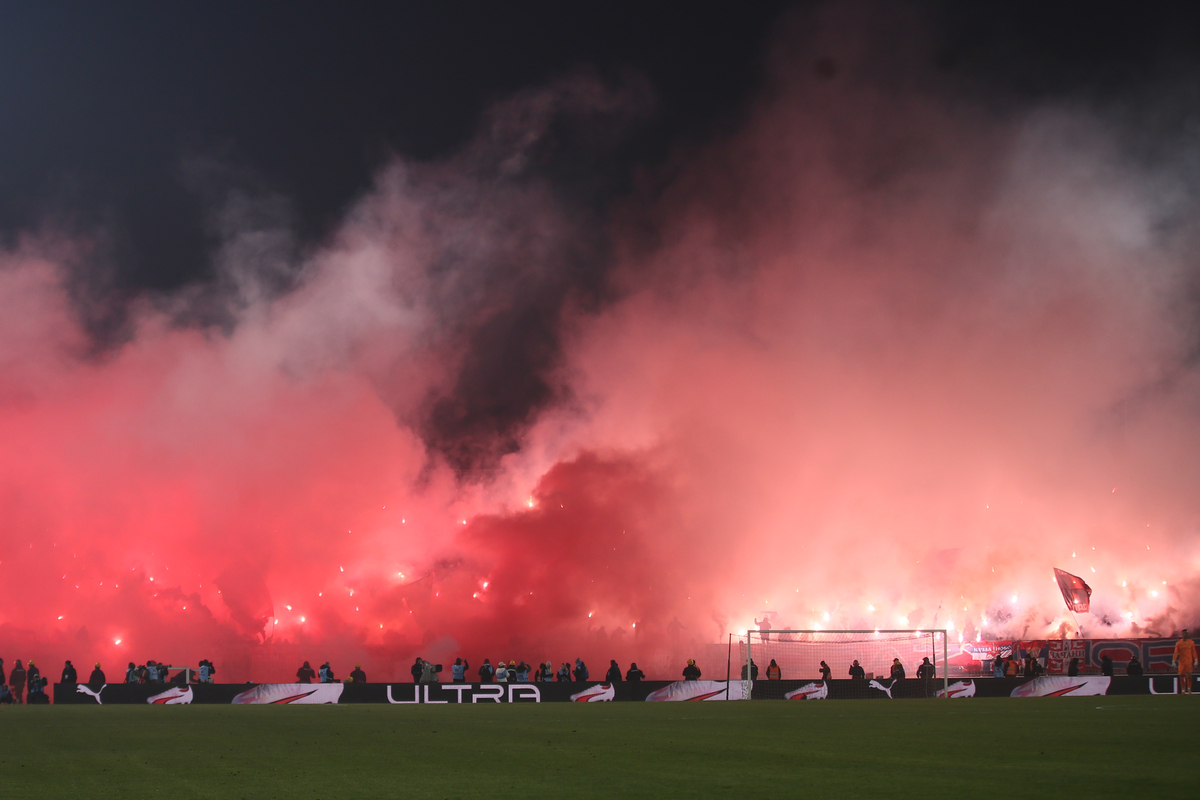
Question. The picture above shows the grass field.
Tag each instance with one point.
(1105, 746)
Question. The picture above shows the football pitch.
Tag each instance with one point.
(1107, 746)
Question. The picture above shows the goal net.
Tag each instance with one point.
(774, 661)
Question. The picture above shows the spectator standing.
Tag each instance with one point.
(998, 666)
(486, 672)
(417, 669)
(357, 675)
(547, 672)
(774, 673)
(691, 672)
(131, 673)
(856, 672)
(826, 672)
(897, 670)
(926, 673)
(614, 672)
(564, 673)
(1134, 668)
(326, 673)
(1010, 668)
(458, 672)
(764, 628)
(2, 680)
(305, 674)
(753, 671)
(68, 674)
(1073, 667)
(1106, 665)
(16, 680)
(501, 672)
(97, 679)
(634, 675)
(581, 671)
(1184, 658)
(522, 672)
(511, 677)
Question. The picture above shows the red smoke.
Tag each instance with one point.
(884, 362)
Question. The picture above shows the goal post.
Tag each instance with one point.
(761, 656)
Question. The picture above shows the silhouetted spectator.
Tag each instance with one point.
(1106, 665)
(856, 672)
(68, 674)
(691, 672)
(97, 679)
(564, 673)
(37, 692)
(305, 674)
(16, 681)
(486, 672)
(33, 673)
(581, 671)
(6, 697)
(897, 670)
(1073, 667)
(357, 675)
(753, 671)
(1134, 668)
(417, 669)
(131, 673)
(826, 672)
(614, 672)
(634, 674)
(764, 628)
(2, 679)
(458, 672)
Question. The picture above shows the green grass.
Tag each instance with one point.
(1100, 746)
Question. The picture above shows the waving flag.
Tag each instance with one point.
(1075, 592)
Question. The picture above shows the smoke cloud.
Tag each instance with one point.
(880, 357)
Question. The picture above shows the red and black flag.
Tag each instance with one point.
(1076, 593)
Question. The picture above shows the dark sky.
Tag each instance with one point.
(105, 103)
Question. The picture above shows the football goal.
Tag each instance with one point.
(769, 662)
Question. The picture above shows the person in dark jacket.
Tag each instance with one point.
(357, 675)
(131, 673)
(634, 674)
(512, 675)
(691, 672)
(33, 673)
(486, 672)
(416, 669)
(37, 692)
(581, 671)
(326, 673)
(825, 671)
(1106, 666)
(1134, 668)
(2, 680)
(16, 680)
(305, 674)
(1073, 667)
(97, 679)
(925, 674)
(614, 672)
(857, 673)
(547, 672)
(897, 670)
(68, 674)
(6, 698)
(564, 673)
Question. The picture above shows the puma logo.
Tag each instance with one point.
(885, 689)
(83, 688)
